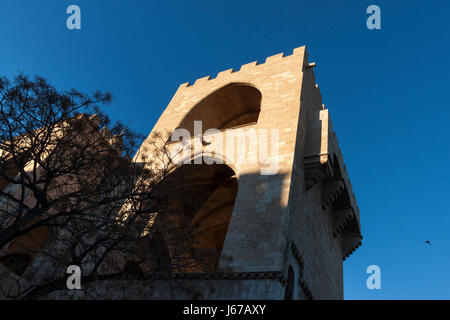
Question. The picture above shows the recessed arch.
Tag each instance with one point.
(236, 104)
(207, 158)
(201, 200)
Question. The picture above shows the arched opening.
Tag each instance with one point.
(234, 105)
(289, 291)
(200, 201)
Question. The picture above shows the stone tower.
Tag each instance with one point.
(285, 218)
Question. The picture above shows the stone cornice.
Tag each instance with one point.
(276, 275)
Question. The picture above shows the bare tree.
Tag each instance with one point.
(72, 193)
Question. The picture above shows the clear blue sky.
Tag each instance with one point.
(387, 91)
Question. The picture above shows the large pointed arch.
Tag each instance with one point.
(201, 200)
(233, 105)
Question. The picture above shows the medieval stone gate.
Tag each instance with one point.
(282, 220)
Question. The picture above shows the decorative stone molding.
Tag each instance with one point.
(341, 219)
(276, 275)
(331, 190)
(314, 171)
(350, 242)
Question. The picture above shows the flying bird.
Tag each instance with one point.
(427, 242)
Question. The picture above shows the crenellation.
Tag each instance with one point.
(247, 67)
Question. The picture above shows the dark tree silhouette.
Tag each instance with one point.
(73, 193)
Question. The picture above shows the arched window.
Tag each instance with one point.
(234, 105)
(289, 291)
